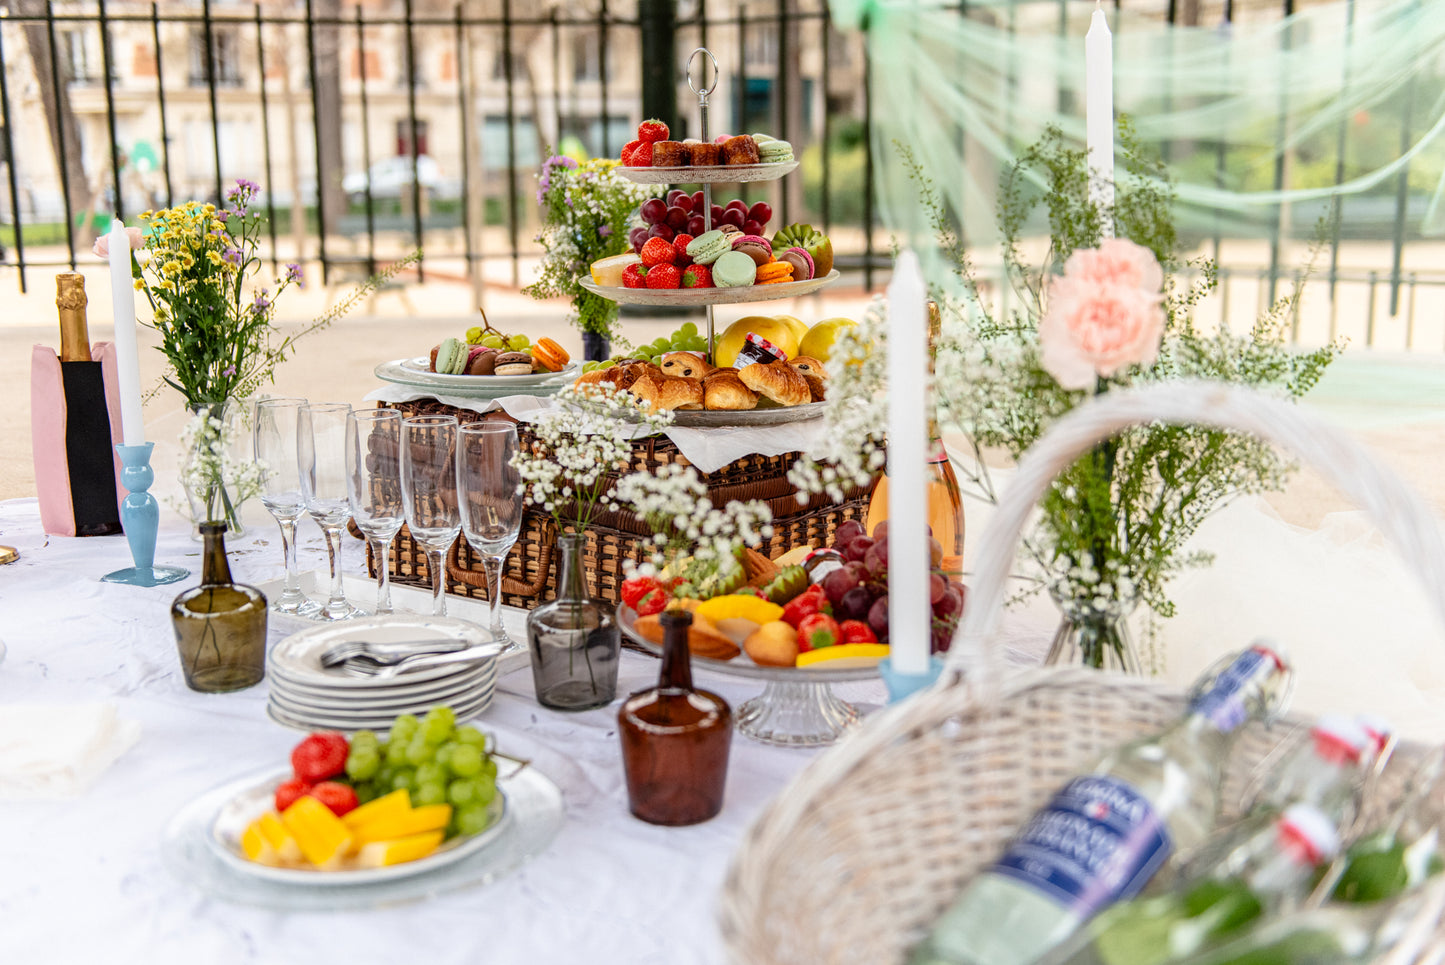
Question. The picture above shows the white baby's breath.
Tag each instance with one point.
(685, 522)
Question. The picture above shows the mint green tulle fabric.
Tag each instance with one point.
(1348, 97)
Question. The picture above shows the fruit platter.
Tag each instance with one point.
(367, 809)
(487, 364)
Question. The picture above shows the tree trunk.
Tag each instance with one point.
(326, 99)
(58, 114)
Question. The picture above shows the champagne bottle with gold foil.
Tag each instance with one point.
(70, 302)
(945, 502)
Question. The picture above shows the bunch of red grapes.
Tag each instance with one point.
(682, 213)
(858, 589)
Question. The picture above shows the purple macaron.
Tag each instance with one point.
(755, 247)
(801, 261)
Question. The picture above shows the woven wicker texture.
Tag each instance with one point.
(861, 852)
(528, 573)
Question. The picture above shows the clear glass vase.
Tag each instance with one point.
(575, 641)
(212, 450)
(1090, 635)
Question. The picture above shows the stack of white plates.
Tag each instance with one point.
(306, 696)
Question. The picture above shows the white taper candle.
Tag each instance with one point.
(127, 353)
(1099, 115)
(909, 611)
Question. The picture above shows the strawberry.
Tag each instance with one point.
(664, 276)
(320, 756)
(856, 631)
(657, 252)
(641, 156)
(637, 588)
(679, 245)
(697, 276)
(634, 276)
(288, 791)
(627, 150)
(338, 797)
(652, 130)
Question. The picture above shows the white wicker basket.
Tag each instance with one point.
(867, 846)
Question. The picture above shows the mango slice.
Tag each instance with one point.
(845, 655)
(379, 854)
(431, 817)
(266, 841)
(323, 839)
(391, 805)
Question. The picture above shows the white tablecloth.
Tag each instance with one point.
(83, 879)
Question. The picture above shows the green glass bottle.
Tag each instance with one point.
(220, 625)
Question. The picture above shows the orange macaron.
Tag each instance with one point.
(550, 355)
(774, 272)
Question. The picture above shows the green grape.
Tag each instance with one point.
(474, 334)
(363, 738)
(361, 765)
(660, 345)
(417, 752)
(433, 792)
(493, 341)
(470, 735)
(489, 769)
(467, 761)
(518, 342)
(461, 792)
(404, 779)
(384, 776)
(430, 772)
(435, 731)
(396, 753)
(443, 713)
(484, 791)
(366, 792)
(688, 328)
(472, 819)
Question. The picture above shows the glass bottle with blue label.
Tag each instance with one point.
(1107, 832)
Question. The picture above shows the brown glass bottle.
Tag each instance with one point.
(220, 625)
(675, 739)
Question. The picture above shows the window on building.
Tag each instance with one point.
(587, 59)
(494, 142)
(82, 57)
(762, 44)
(500, 63)
(416, 75)
(403, 142)
(225, 57)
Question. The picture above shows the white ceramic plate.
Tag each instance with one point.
(256, 800)
(480, 387)
(712, 174)
(311, 721)
(438, 691)
(709, 296)
(417, 367)
(298, 657)
(362, 706)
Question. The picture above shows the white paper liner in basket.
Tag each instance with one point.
(861, 852)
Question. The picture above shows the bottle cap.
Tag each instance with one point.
(1338, 738)
(1305, 829)
(1272, 650)
(675, 616)
(1379, 729)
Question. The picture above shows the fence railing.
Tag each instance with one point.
(373, 132)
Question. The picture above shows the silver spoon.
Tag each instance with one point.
(387, 651)
(363, 665)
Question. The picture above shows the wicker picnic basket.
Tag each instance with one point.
(615, 537)
(862, 851)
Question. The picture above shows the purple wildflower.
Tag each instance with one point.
(229, 371)
(605, 231)
(261, 303)
(232, 255)
(561, 160)
(293, 274)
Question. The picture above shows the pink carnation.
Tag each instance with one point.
(1104, 313)
(102, 244)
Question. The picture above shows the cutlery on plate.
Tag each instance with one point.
(363, 665)
(387, 651)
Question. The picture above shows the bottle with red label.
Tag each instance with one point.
(1108, 831)
(758, 349)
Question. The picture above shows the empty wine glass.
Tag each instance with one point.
(373, 477)
(429, 491)
(275, 437)
(321, 455)
(490, 501)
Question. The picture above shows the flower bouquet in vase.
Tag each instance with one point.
(1112, 305)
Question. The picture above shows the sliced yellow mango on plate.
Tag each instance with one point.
(845, 655)
(430, 817)
(323, 839)
(379, 854)
(391, 805)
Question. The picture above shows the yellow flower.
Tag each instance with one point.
(188, 261)
(214, 256)
(168, 285)
(140, 284)
(147, 215)
(209, 209)
(171, 267)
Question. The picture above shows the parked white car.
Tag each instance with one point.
(392, 178)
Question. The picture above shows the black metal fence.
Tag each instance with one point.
(291, 97)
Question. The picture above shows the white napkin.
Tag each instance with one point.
(58, 750)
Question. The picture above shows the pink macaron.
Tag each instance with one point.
(802, 263)
(755, 247)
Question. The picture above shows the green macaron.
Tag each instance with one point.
(774, 152)
(451, 357)
(734, 270)
(707, 247)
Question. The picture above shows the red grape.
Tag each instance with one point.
(878, 617)
(676, 218)
(674, 194)
(838, 583)
(717, 213)
(654, 210)
(950, 605)
(762, 211)
(733, 217)
(857, 549)
(737, 204)
(877, 562)
(881, 530)
(660, 231)
(752, 228)
(848, 530)
(937, 586)
(935, 551)
(637, 236)
(859, 571)
(855, 605)
(696, 225)
(698, 199)
(940, 639)
(882, 543)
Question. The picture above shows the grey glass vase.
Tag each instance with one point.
(220, 625)
(575, 641)
(1095, 636)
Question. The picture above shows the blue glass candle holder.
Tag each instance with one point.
(140, 517)
(901, 685)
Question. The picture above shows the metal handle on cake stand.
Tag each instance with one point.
(140, 517)
(702, 95)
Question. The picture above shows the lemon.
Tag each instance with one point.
(770, 327)
(818, 343)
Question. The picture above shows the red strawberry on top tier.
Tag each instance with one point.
(634, 276)
(652, 130)
(679, 246)
(657, 251)
(627, 150)
(664, 276)
(641, 156)
(697, 276)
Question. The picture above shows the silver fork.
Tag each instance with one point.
(387, 651)
(363, 665)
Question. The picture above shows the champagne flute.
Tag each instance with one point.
(429, 492)
(275, 439)
(373, 479)
(490, 498)
(321, 454)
